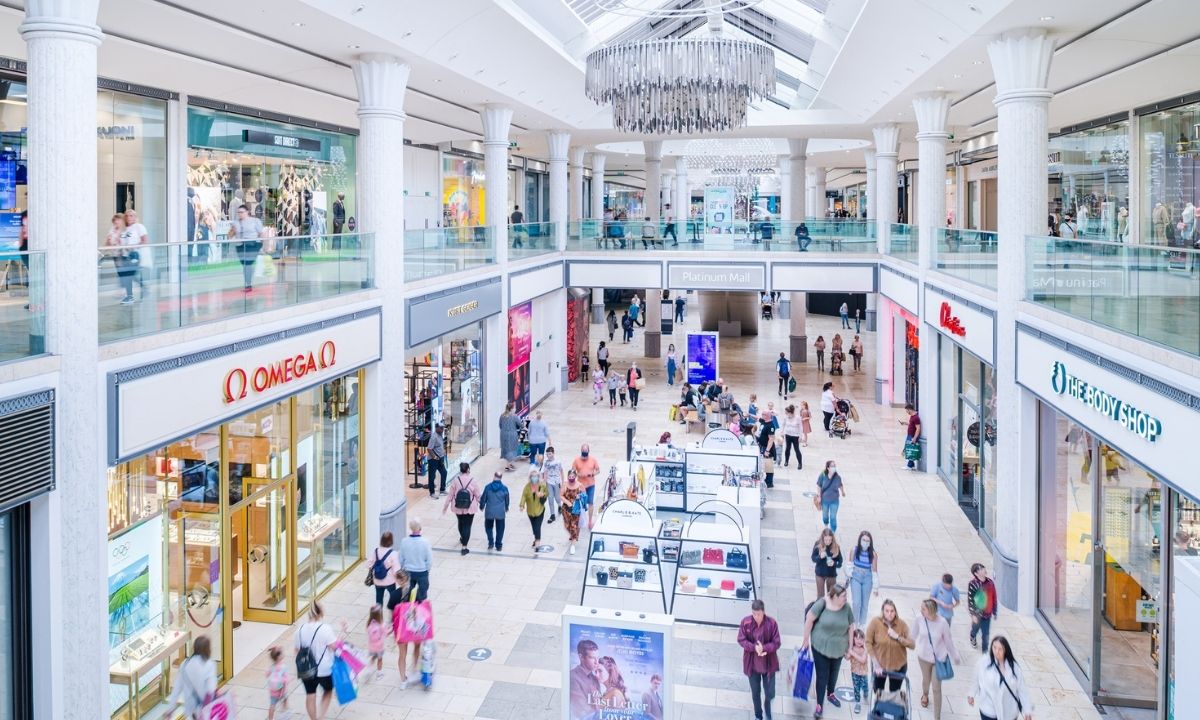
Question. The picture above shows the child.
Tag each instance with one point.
(277, 682)
(428, 658)
(597, 385)
(858, 668)
(805, 423)
(583, 367)
(613, 383)
(622, 386)
(375, 635)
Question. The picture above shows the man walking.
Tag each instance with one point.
(784, 366)
(586, 468)
(538, 436)
(758, 635)
(912, 435)
(436, 459)
(670, 227)
(680, 304)
(249, 233)
(844, 311)
(857, 321)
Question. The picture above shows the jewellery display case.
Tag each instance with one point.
(708, 467)
(664, 470)
(154, 648)
(623, 570)
(714, 578)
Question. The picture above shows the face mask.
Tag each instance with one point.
(865, 544)
(833, 468)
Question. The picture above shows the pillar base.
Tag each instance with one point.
(871, 320)
(597, 313)
(653, 343)
(798, 348)
(880, 385)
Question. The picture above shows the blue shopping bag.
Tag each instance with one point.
(343, 682)
(802, 674)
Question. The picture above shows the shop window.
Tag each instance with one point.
(1170, 175)
(948, 408)
(462, 192)
(1089, 178)
(987, 449)
(1185, 592)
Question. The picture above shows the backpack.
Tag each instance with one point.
(379, 567)
(462, 498)
(306, 662)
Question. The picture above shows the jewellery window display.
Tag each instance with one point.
(714, 578)
(623, 570)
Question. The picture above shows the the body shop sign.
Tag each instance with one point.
(1136, 421)
(161, 402)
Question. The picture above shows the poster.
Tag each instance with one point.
(702, 357)
(520, 334)
(616, 669)
(718, 210)
(10, 235)
(518, 389)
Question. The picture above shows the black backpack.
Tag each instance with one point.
(462, 498)
(379, 568)
(306, 662)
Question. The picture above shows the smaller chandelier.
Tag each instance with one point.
(684, 85)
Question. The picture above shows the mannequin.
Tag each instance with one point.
(1123, 224)
(1187, 225)
(1159, 219)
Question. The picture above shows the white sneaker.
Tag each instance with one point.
(378, 675)
(572, 550)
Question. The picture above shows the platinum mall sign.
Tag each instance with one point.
(1135, 421)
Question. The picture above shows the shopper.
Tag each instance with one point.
(435, 458)
(805, 423)
(758, 634)
(858, 668)
(552, 475)
(766, 436)
(494, 503)
(828, 404)
(981, 603)
(277, 684)
(857, 321)
(622, 389)
(793, 430)
(510, 432)
(574, 504)
(633, 377)
(913, 434)
(856, 351)
(669, 229)
(611, 320)
(803, 239)
(934, 644)
(533, 502)
(614, 383)
(416, 558)
(680, 305)
(819, 346)
(945, 596)
(249, 233)
(602, 356)
(196, 684)
(999, 686)
(827, 632)
(844, 312)
(672, 365)
(830, 490)
(385, 561)
(626, 327)
(585, 370)
(864, 575)
(135, 235)
(316, 640)
(783, 367)
(827, 560)
(538, 437)
(586, 467)
(463, 497)
(375, 633)
(888, 643)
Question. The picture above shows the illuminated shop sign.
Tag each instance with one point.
(1135, 421)
(951, 323)
(240, 382)
(462, 309)
(261, 137)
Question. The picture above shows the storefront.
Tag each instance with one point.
(244, 443)
(1120, 525)
(1089, 177)
(966, 403)
(296, 178)
(1170, 171)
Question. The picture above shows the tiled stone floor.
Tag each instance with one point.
(510, 602)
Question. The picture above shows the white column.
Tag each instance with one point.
(869, 161)
(887, 142)
(884, 346)
(576, 159)
(598, 160)
(653, 195)
(1021, 64)
(797, 169)
(597, 310)
(810, 181)
(785, 191)
(382, 82)
(62, 37)
(872, 302)
(820, 175)
(558, 142)
(683, 198)
(798, 327)
(496, 120)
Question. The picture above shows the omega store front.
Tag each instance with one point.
(1118, 580)
(234, 497)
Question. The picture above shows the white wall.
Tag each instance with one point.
(544, 361)
(422, 187)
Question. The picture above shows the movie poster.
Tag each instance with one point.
(616, 673)
(520, 345)
(702, 357)
(518, 389)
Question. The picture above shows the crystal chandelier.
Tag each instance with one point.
(681, 85)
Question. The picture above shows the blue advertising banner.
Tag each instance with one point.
(718, 210)
(10, 235)
(702, 357)
(616, 673)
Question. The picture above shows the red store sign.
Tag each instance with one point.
(951, 323)
(239, 382)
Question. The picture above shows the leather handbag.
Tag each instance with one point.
(671, 553)
(743, 593)
(943, 667)
(648, 556)
(714, 556)
(613, 571)
(625, 580)
(727, 585)
(690, 557)
(629, 549)
(714, 590)
(598, 545)
(602, 578)
(703, 582)
(736, 558)
(639, 576)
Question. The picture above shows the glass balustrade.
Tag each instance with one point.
(1151, 291)
(156, 287)
(966, 254)
(441, 251)
(815, 235)
(22, 304)
(532, 239)
(902, 242)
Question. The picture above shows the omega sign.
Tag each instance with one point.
(1135, 421)
(949, 322)
(239, 382)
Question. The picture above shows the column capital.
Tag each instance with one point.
(496, 121)
(66, 19)
(1021, 65)
(816, 174)
(558, 141)
(598, 161)
(798, 147)
(382, 82)
(932, 112)
(869, 158)
(681, 165)
(653, 150)
(577, 155)
(887, 140)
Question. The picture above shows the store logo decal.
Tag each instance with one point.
(239, 382)
(951, 323)
(1135, 421)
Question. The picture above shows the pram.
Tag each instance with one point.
(840, 424)
(893, 705)
(836, 359)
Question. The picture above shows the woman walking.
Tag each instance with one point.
(671, 364)
(574, 505)
(827, 631)
(805, 423)
(462, 499)
(318, 640)
(385, 561)
(510, 429)
(831, 491)
(864, 576)
(196, 683)
(611, 320)
(819, 346)
(602, 356)
(888, 643)
(1000, 689)
(856, 352)
(828, 400)
(827, 560)
(533, 502)
(793, 430)
(934, 645)
(633, 378)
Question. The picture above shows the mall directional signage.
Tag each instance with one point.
(1134, 420)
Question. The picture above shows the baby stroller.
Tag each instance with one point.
(768, 311)
(835, 363)
(840, 424)
(893, 705)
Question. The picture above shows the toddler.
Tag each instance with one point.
(613, 383)
(277, 682)
(622, 386)
(858, 668)
(375, 634)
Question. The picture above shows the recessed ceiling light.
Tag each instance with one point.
(353, 46)
(942, 38)
(479, 71)
(973, 8)
(941, 87)
(297, 24)
(957, 76)
(358, 9)
(1046, 18)
(406, 34)
(977, 62)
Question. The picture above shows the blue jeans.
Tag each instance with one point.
(536, 449)
(860, 593)
(845, 321)
(980, 623)
(829, 514)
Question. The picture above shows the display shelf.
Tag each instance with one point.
(714, 568)
(617, 557)
(627, 521)
(697, 604)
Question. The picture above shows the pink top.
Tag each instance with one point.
(277, 679)
(391, 562)
(938, 631)
(375, 635)
(805, 418)
(462, 481)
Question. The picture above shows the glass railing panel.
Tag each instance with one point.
(851, 236)
(1150, 291)
(966, 254)
(22, 305)
(902, 242)
(531, 239)
(441, 251)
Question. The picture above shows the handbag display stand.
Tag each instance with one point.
(714, 578)
(663, 468)
(623, 570)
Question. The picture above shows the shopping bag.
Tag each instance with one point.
(912, 451)
(413, 622)
(348, 654)
(801, 673)
(343, 682)
(221, 707)
(672, 413)
(791, 385)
